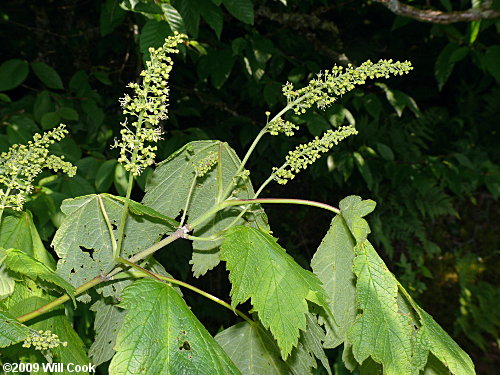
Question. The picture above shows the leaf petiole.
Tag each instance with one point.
(188, 286)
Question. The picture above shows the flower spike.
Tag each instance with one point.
(149, 106)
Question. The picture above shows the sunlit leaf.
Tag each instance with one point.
(168, 190)
(279, 288)
(160, 335)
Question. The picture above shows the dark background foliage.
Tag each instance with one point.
(427, 151)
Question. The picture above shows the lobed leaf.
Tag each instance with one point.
(303, 358)
(168, 189)
(160, 335)
(332, 263)
(279, 288)
(109, 316)
(390, 327)
(438, 342)
(353, 209)
(108, 320)
(87, 252)
(380, 331)
(252, 350)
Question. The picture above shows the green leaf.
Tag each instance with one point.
(399, 100)
(385, 151)
(380, 330)
(373, 105)
(316, 123)
(221, 63)
(43, 104)
(332, 263)
(252, 350)
(68, 113)
(11, 331)
(190, 15)
(160, 335)
(111, 16)
(491, 58)
(23, 264)
(153, 34)
(474, 28)
(444, 67)
(310, 347)
(12, 73)
(439, 343)
(102, 77)
(21, 129)
(281, 289)
(47, 75)
(5, 98)
(7, 282)
(19, 232)
(108, 320)
(353, 209)
(240, 9)
(173, 17)
(148, 8)
(173, 178)
(105, 175)
(76, 186)
(363, 169)
(459, 54)
(50, 120)
(95, 114)
(212, 14)
(87, 252)
(120, 179)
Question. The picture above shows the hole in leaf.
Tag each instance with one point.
(185, 346)
(114, 226)
(85, 250)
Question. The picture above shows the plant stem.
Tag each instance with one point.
(179, 233)
(49, 306)
(257, 139)
(190, 287)
(303, 202)
(130, 185)
(241, 202)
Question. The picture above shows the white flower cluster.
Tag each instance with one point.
(41, 340)
(22, 163)
(149, 106)
(308, 153)
(331, 84)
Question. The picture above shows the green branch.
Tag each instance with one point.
(241, 202)
(179, 233)
(190, 287)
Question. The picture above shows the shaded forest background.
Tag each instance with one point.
(427, 150)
